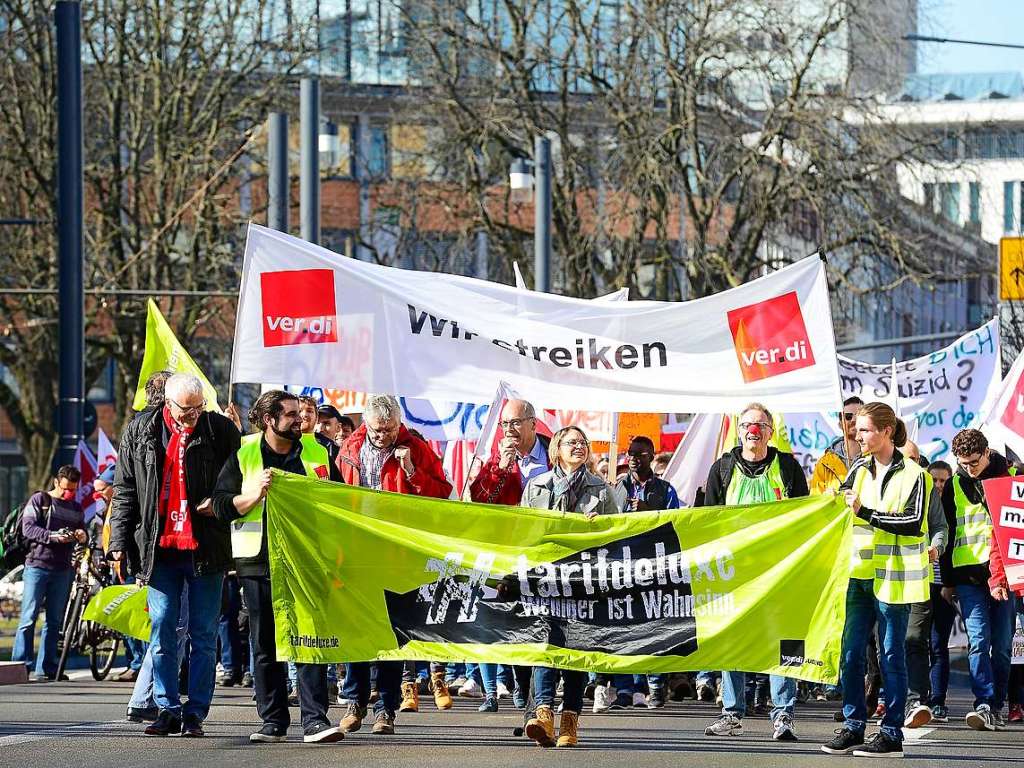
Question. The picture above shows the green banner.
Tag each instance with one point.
(360, 575)
(121, 607)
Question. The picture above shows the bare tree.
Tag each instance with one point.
(173, 90)
(691, 135)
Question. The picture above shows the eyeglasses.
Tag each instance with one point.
(575, 443)
(749, 424)
(847, 416)
(972, 464)
(515, 423)
(188, 408)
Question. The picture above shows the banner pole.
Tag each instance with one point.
(613, 450)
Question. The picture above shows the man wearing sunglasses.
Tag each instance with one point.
(162, 524)
(964, 567)
(831, 469)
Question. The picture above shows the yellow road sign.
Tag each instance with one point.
(1011, 269)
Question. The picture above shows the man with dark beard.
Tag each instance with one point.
(239, 500)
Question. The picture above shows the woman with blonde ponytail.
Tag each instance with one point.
(890, 570)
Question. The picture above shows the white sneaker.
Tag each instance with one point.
(503, 691)
(726, 725)
(604, 696)
(918, 716)
(639, 700)
(471, 690)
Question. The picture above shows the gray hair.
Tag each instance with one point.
(761, 408)
(182, 384)
(384, 407)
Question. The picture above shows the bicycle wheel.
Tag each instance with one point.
(69, 635)
(103, 646)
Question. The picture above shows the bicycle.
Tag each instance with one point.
(100, 642)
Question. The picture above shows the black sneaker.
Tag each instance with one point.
(844, 742)
(490, 705)
(981, 719)
(141, 714)
(192, 727)
(322, 733)
(622, 701)
(880, 746)
(164, 725)
(657, 698)
(268, 734)
(998, 720)
(247, 679)
(940, 714)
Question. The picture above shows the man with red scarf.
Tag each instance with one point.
(162, 525)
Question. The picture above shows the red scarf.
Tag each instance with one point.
(175, 516)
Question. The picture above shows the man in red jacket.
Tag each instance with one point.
(521, 454)
(383, 455)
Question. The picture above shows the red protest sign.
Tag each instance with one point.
(1005, 499)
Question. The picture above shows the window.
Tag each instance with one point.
(102, 390)
(974, 212)
(1008, 218)
(377, 152)
(949, 202)
(929, 196)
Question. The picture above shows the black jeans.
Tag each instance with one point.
(270, 676)
(918, 650)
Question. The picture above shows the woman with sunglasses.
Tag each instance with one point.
(569, 487)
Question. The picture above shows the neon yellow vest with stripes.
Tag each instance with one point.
(900, 567)
(973, 528)
(247, 531)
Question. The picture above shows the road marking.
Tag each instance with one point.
(916, 734)
(21, 738)
(30, 736)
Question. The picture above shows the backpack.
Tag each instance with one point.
(13, 544)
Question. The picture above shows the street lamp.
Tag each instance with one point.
(330, 145)
(521, 179)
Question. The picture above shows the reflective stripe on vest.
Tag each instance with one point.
(767, 486)
(247, 531)
(899, 565)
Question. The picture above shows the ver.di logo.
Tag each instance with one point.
(298, 307)
(770, 337)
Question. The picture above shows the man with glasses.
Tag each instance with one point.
(754, 472)
(831, 469)
(162, 525)
(383, 455)
(522, 454)
(964, 567)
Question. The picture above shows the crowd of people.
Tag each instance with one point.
(186, 517)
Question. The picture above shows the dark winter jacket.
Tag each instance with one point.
(135, 515)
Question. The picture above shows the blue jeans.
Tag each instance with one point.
(491, 674)
(989, 640)
(734, 694)
(389, 683)
(943, 617)
(862, 609)
(545, 681)
(142, 694)
(171, 574)
(55, 588)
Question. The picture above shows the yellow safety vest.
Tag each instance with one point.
(899, 564)
(973, 528)
(756, 490)
(247, 531)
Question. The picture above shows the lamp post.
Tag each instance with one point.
(523, 175)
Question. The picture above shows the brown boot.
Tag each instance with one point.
(410, 698)
(569, 730)
(541, 727)
(353, 719)
(442, 697)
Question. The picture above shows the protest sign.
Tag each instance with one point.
(643, 592)
(1004, 420)
(446, 337)
(1004, 497)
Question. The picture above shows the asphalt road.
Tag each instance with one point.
(80, 723)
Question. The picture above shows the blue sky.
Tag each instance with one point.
(997, 21)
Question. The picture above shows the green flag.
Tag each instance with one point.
(165, 353)
(358, 575)
(121, 607)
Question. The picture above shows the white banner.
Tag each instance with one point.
(306, 314)
(940, 393)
